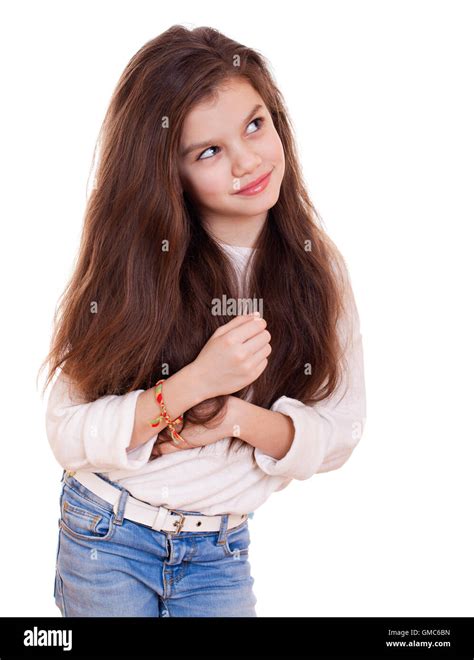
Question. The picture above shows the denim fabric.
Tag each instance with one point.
(107, 565)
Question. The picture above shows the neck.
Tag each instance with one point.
(238, 233)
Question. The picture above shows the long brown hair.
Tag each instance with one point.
(138, 304)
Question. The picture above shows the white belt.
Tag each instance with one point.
(158, 518)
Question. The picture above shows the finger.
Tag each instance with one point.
(235, 323)
(183, 443)
(258, 342)
(181, 440)
(169, 447)
(246, 331)
(164, 435)
(260, 355)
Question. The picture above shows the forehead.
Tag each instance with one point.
(232, 102)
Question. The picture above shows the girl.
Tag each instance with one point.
(177, 413)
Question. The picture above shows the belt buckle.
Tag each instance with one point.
(180, 523)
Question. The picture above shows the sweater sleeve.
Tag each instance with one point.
(93, 436)
(326, 432)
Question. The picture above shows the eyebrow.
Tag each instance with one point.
(201, 145)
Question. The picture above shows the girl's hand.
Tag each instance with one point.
(195, 435)
(234, 356)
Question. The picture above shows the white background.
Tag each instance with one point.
(381, 97)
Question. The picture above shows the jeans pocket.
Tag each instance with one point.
(81, 518)
(237, 541)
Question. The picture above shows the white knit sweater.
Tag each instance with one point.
(216, 478)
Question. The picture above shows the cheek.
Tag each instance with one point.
(276, 152)
(209, 181)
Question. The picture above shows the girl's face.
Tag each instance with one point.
(225, 145)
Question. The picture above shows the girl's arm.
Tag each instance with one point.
(111, 433)
(272, 432)
(182, 391)
(325, 433)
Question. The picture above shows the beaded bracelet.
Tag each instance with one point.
(164, 414)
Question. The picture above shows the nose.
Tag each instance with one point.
(246, 162)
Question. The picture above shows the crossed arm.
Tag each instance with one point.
(271, 432)
(291, 439)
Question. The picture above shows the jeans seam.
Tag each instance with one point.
(225, 543)
(93, 502)
(59, 590)
(91, 517)
(84, 537)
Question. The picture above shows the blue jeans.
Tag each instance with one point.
(107, 565)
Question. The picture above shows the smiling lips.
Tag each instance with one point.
(256, 186)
